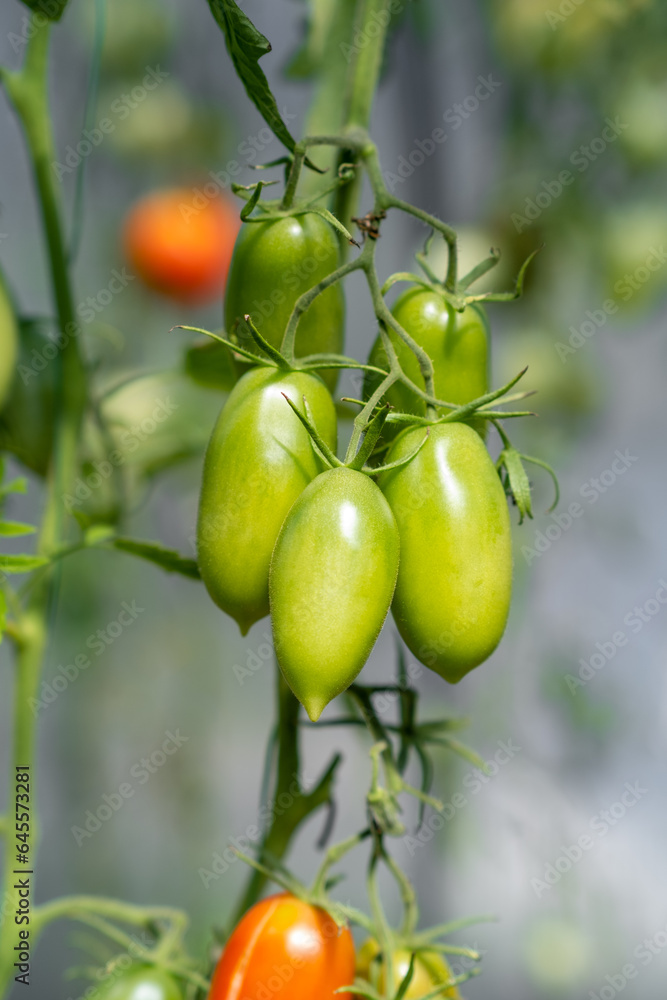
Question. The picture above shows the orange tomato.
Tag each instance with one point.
(285, 949)
(180, 243)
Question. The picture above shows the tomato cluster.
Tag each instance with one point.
(285, 528)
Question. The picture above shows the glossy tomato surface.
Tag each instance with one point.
(274, 263)
(332, 578)
(455, 579)
(181, 246)
(259, 460)
(457, 343)
(284, 947)
(143, 984)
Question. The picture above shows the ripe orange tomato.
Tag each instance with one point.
(284, 946)
(181, 244)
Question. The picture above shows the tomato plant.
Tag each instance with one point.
(274, 263)
(143, 984)
(429, 971)
(333, 573)
(457, 343)
(455, 577)
(180, 248)
(283, 943)
(413, 516)
(259, 460)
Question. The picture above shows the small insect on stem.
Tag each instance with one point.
(369, 224)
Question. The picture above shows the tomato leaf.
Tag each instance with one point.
(519, 484)
(167, 559)
(246, 46)
(51, 9)
(21, 564)
(13, 528)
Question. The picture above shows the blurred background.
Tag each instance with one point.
(555, 116)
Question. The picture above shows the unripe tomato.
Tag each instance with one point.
(274, 263)
(457, 344)
(285, 947)
(258, 461)
(9, 343)
(332, 578)
(455, 579)
(430, 970)
(143, 984)
(180, 247)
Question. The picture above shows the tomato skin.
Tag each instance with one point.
(457, 343)
(430, 969)
(274, 263)
(285, 947)
(332, 578)
(179, 250)
(143, 984)
(455, 579)
(9, 343)
(259, 459)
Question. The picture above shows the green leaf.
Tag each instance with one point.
(51, 9)
(167, 559)
(21, 564)
(519, 483)
(246, 46)
(16, 486)
(12, 528)
(98, 534)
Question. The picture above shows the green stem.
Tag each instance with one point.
(285, 818)
(327, 111)
(374, 17)
(28, 91)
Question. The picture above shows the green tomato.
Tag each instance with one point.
(333, 574)
(457, 344)
(143, 984)
(9, 343)
(430, 970)
(455, 579)
(273, 264)
(259, 460)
